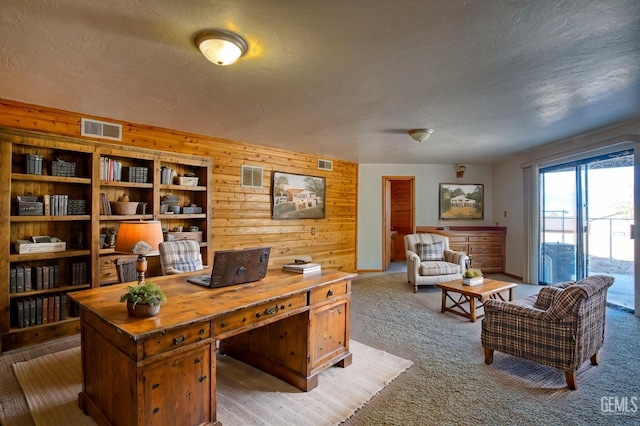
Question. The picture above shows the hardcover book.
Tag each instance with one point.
(302, 268)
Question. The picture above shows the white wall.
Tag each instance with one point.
(427, 180)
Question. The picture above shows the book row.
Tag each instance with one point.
(39, 310)
(113, 170)
(50, 205)
(23, 278)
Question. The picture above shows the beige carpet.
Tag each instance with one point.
(246, 396)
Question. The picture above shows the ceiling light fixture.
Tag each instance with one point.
(420, 135)
(219, 46)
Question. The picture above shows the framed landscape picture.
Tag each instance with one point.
(461, 201)
(297, 196)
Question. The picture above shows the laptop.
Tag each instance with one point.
(232, 267)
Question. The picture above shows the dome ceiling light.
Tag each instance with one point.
(420, 135)
(220, 47)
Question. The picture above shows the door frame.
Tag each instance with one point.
(386, 212)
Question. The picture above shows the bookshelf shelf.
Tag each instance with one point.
(47, 178)
(67, 218)
(64, 288)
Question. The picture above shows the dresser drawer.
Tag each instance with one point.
(177, 338)
(458, 247)
(486, 238)
(485, 249)
(487, 264)
(457, 239)
(256, 314)
(108, 272)
(327, 292)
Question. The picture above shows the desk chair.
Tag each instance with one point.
(180, 256)
(126, 267)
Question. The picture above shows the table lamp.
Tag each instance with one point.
(141, 238)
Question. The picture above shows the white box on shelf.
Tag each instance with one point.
(26, 247)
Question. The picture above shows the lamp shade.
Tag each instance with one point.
(220, 47)
(139, 237)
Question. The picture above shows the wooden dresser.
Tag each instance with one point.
(162, 370)
(485, 244)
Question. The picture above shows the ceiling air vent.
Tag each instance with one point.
(325, 165)
(101, 129)
(251, 177)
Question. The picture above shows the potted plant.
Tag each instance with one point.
(143, 299)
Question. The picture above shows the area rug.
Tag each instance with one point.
(245, 395)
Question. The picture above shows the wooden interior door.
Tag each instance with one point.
(398, 215)
(386, 253)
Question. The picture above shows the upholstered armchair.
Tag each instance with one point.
(429, 260)
(180, 256)
(562, 326)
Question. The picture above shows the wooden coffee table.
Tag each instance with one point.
(489, 289)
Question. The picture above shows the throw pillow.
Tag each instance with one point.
(434, 251)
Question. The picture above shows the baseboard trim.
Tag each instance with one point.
(515, 277)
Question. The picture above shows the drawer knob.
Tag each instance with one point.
(179, 340)
(330, 293)
(271, 311)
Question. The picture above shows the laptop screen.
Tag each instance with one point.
(236, 267)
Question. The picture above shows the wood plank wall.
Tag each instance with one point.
(242, 216)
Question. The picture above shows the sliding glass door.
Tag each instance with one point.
(586, 221)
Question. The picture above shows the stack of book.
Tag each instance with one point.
(302, 268)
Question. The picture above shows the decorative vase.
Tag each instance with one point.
(142, 309)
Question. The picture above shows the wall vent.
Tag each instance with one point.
(325, 165)
(101, 129)
(251, 177)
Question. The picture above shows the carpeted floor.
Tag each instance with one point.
(449, 383)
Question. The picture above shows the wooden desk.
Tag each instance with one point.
(162, 370)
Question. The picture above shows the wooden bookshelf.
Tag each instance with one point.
(81, 230)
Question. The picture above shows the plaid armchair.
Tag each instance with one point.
(560, 327)
(180, 256)
(429, 260)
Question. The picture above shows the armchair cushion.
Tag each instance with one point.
(545, 297)
(433, 251)
(436, 268)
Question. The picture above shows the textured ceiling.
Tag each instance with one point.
(340, 79)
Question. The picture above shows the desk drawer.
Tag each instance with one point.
(256, 314)
(177, 338)
(327, 292)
